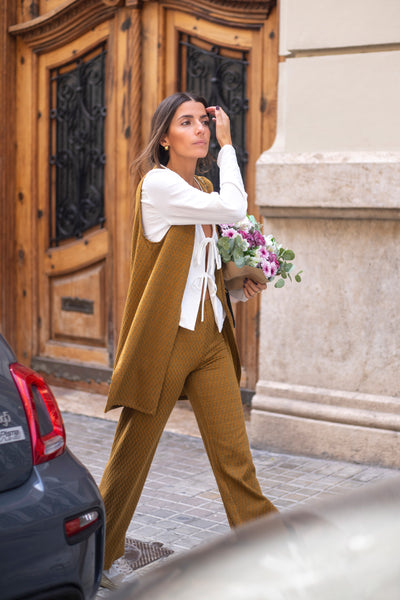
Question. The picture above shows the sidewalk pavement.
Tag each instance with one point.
(180, 505)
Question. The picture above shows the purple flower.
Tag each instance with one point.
(274, 269)
(266, 267)
(248, 237)
(274, 259)
(230, 233)
(258, 238)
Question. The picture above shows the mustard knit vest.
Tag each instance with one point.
(152, 311)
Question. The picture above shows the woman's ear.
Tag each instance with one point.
(164, 141)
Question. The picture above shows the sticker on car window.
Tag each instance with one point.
(11, 434)
(5, 418)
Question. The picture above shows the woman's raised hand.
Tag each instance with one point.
(222, 125)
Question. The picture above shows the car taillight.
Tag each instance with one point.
(42, 413)
(80, 523)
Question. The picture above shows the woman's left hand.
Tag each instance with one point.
(251, 288)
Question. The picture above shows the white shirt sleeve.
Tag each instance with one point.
(238, 295)
(167, 199)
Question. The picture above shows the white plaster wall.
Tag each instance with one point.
(339, 102)
(339, 87)
(314, 24)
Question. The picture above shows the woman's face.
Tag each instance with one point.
(189, 132)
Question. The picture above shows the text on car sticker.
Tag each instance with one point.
(12, 434)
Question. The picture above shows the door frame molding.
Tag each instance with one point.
(245, 14)
(63, 24)
(8, 321)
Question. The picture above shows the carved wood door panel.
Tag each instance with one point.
(75, 138)
(74, 258)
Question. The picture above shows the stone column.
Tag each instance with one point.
(329, 382)
(330, 346)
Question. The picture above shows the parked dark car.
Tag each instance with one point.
(51, 512)
(345, 549)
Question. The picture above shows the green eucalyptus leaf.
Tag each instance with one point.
(252, 220)
(238, 258)
(280, 283)
(240, 244)
(224, 244)
(226, 256)
(288, 254)
(298, 278)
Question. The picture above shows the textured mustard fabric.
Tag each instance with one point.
(202, 360)
(152, 312)
(156, 360)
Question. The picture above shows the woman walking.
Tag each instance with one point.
(177, 330)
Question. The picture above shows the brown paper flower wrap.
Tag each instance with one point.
(234, 276)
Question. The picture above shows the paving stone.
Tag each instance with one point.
(186, 530)
(144, 519)
(166, 524)
(220, 529)
(211, 495)
(296, 497)
(284, 503)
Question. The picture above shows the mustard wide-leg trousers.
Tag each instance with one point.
(200, 361)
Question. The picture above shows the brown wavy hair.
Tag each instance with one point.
(154, 154)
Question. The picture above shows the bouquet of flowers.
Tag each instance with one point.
(246, 252)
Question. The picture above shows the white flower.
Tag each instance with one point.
(245, 224)
(241, 243)
(253, 261)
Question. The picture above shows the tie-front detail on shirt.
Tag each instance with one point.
(208, 257)
(200, 279)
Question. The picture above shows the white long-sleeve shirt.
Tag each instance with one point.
(167, 199)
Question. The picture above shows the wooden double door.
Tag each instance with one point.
(89, 76)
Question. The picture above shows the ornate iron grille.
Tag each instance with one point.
(220, 75)
(77, 159)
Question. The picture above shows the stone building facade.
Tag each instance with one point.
(329, 188)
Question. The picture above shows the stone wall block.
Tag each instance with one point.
(329, 357)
